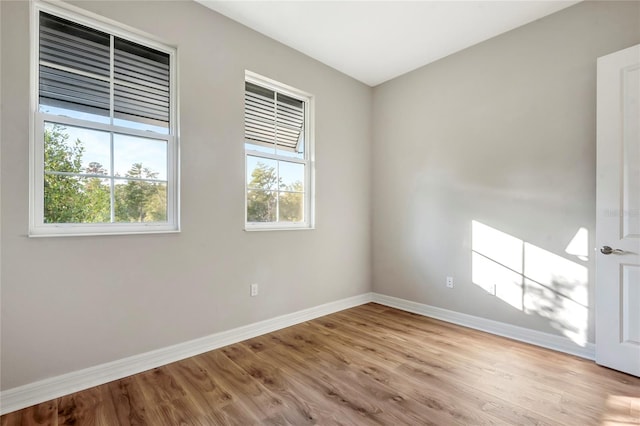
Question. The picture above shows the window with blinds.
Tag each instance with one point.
(278, 187)
(104, 147)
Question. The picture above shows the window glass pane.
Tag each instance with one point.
(76, 149)
(291, 176)
(292, 105)
(262, 173)
(140, 201)
(97, 200)
(291, 207)
(139, 157)
(72, 199)
(261, 206)
(256, 89)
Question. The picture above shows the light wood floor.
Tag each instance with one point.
(366, 365)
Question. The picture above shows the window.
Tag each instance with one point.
(104, 144)
(278, 155)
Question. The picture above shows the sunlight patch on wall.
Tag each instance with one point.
(496, 279)
(531, 279)
(497, 245)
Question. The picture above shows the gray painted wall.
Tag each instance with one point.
(502, 133)
(70, 303)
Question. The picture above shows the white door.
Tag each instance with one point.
(618, 212)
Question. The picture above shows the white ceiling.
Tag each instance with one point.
(375, 41)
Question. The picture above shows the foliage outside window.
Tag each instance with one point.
(104, 156)
(278, 156)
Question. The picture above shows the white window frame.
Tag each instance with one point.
(308, 160)
(37, 226)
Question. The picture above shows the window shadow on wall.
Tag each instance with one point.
(534, 280)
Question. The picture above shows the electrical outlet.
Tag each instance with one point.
(254, 290)
(450, 282)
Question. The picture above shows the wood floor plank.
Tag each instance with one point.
(247, 392)
(208, 396)
(45, 414)
(277, 382)
(92, 407)
(370, 365)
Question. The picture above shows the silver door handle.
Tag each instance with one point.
(608, 250)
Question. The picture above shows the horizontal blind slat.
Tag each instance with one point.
(153, 97)
(292, 121)
(140, 107)
(137, 77)
(128, 59)
(68, 90)
(257, 116)
(265, 131)
(75, 58)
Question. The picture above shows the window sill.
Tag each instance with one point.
(260, 228)
(81, 231)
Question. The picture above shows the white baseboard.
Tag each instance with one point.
(539, 338)
(55, 387)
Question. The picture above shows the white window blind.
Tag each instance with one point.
(74, 66)
(273, 119)
(75, 73)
